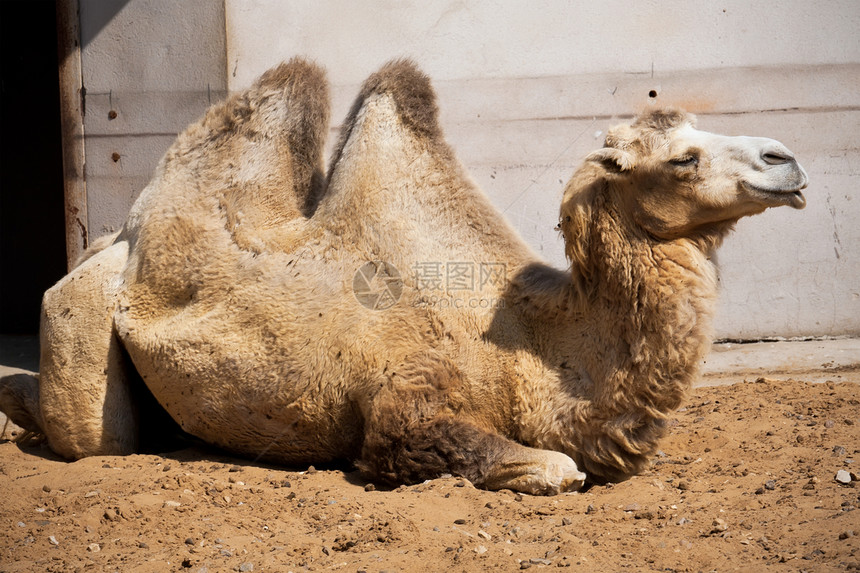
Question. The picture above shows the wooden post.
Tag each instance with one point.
(72, 110)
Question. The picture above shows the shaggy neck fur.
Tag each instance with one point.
(636, 314)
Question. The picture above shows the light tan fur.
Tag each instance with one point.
(230, 292)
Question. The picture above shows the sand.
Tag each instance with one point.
(745, 481)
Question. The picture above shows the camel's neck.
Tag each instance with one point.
(637, 328)
(655, 301)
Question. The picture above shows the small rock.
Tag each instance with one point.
(189, 541)
(839, 450)
(566, 521)
(143, 545)
(631, 507)
(93, 493)
(311, 470)
(53, 540)
(719, 526)
(370, 487)
(843, 477)
(111, 515)
(846, 534)
(235, 469)
(590, 509)
(539, 561)
(829, 424)
(46, 488)
(770, 485)
(525, 565)
(94, 548)
(480, 550)
(484, 535)
(759, 491)
(22, 524)
(171, 504)
(460, 521)
(245, 567)
(683, 485)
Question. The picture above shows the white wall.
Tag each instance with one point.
(528, 88)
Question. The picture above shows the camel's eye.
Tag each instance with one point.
(685, 161)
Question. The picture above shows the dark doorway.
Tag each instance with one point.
(32, 234)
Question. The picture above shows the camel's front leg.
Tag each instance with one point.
(414, 431)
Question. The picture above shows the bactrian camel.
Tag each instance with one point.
(386, 313)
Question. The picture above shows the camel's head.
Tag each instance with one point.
(672, 181)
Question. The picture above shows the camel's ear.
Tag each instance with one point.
(612, 159)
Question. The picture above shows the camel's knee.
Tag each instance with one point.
(404, 448)
(414, 431)
(19, 400)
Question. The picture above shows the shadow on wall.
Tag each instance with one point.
(99, 14)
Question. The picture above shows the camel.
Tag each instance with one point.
(385, 312)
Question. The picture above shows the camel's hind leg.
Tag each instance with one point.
(84, 396)
(413, 432)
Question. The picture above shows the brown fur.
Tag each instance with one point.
(230, 292)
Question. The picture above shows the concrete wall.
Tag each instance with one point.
(529, 88)
(157, 64)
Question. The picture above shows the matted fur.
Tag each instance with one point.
(229, 291)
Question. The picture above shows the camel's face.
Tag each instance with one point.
(683, 179)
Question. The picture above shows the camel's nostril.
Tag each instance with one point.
(777, 157)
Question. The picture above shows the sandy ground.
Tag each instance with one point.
(746, 481)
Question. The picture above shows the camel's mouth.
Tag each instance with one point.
(774, 197)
